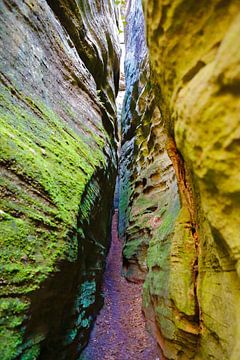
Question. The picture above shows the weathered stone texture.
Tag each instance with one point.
(192, 287)
(136, 79)
(59, 73)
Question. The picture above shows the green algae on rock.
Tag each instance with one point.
(57, 153)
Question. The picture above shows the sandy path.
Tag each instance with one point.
(119, 332)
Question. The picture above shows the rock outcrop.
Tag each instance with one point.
(180, 173)
(59, 78)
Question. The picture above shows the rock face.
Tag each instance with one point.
(59, 78)
(137, 75)
(180, 216)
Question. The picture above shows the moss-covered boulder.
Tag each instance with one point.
(58, 167)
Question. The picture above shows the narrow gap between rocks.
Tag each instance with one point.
(119, 332)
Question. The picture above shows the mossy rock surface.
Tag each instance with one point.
(57, 154)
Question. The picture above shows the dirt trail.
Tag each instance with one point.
(119, 332)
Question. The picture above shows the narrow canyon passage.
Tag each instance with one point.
(119, 332)
(146, 92)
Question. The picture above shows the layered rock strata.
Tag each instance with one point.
(136, 76)
(59, 78)
(180, 218)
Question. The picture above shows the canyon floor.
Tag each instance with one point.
(119, 332)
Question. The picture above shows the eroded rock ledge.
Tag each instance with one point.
(59, 78)
(179, 213)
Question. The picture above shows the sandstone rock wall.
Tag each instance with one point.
(182, 227)
(145, 167)
(136, 75)
(59, 77)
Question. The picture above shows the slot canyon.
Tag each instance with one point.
(120, 180)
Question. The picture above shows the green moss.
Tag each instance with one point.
(87, 294)
(92, 193)
(170, 280)
(46, 168)
(9, 341)
(32, 353)
(143, 202)
(36, 145)
(158, 256)
(46, 151)
(30, 349)
(131, 248)
(71, 335)
(11, 320)
(86, 297)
